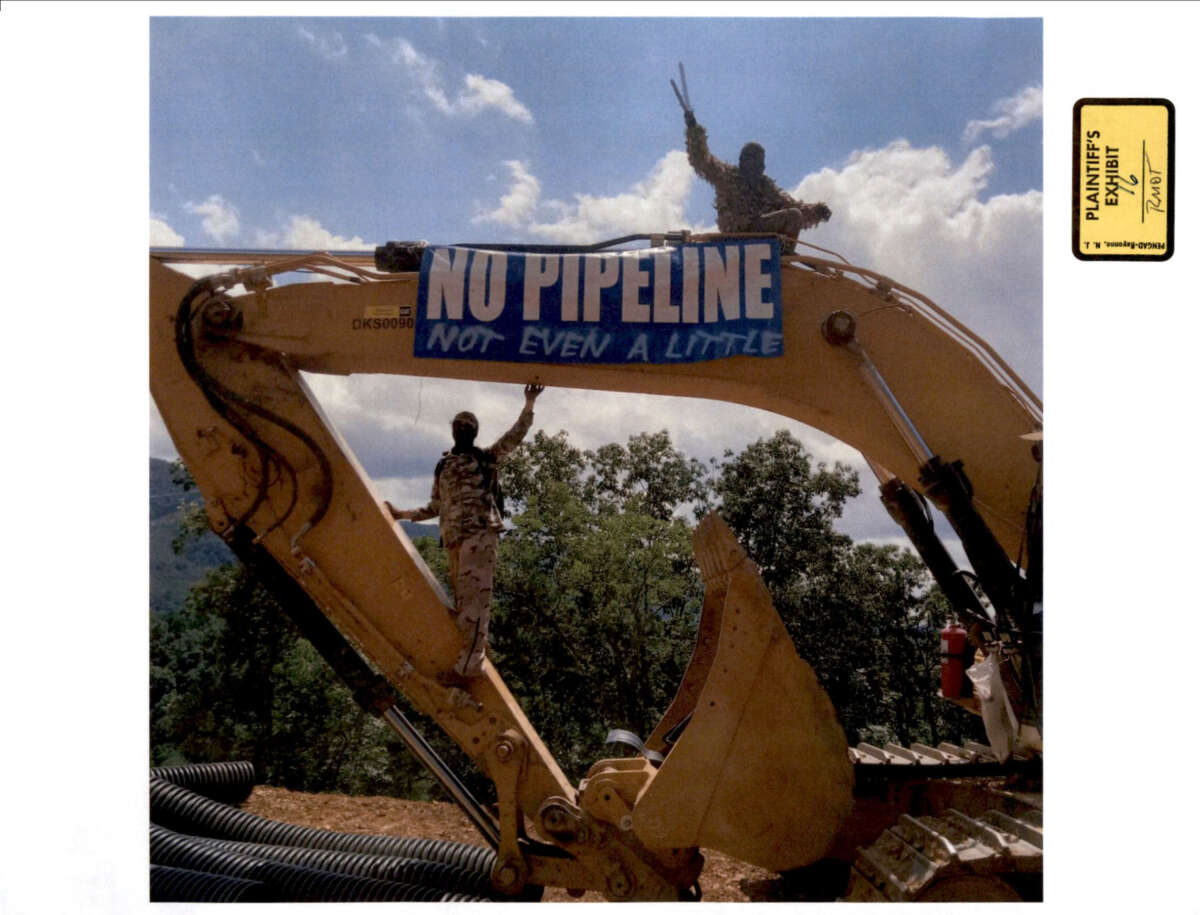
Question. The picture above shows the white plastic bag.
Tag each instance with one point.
(999, 720)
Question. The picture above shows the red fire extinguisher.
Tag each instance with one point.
(954, 644)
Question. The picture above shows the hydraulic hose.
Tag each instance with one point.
(371, 691)
(228, 782)
(221, 397)
(185, 347)
(180, 809)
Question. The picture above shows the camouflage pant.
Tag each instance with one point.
(789, 222)
(472, 566)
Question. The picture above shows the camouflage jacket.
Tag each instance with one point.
(739, 202)
(461, 500)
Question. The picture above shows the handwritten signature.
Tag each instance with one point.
(1153, 202)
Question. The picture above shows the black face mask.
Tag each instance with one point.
(464, 440)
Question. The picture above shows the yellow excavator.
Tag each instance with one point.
(749, 759)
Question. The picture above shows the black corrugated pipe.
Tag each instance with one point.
(229, 782)
(290, 882)
(180, 809)
(176, 884)
(449, 877)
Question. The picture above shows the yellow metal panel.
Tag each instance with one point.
(762, 771)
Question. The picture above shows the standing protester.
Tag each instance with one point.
(747, 200)
(467, 503)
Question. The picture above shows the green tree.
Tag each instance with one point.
(596, 597)
(595, 609)
(782, 508)
(231, 678)
(866, 617)
(540, 463)
(648, 475)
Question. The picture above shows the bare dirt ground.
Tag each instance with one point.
(724, 879)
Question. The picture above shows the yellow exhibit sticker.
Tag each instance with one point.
(1124, 179)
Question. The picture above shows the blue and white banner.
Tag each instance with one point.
(673, 304)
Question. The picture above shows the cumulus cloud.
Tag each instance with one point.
(925, 221)
(162, 235)
(306, 233)
(220, 220)
(517, 206)
(329, 45)
(912, 213)
(650, 205)
(480, 93)
(476, 95)
(1012, 113)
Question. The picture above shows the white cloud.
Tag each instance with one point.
(651, 205)
(305, 232)
(949, 540)
(517, 206)
(477, 95)
(1012, 113)
(480, 93)
(220, 217)
(162, 235)
(913, 214)
(329, 45)
(925, 222)
(423, 71)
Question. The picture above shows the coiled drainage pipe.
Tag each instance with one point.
(290, 882)
(176, 884)
(231, 782)
(449, 877)
(414, 871)
(180, 809)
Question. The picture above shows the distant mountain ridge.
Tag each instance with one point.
(172, 575)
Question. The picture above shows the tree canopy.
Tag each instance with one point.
(595, 608)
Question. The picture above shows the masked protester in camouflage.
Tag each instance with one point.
(747, 200)
(466, 502)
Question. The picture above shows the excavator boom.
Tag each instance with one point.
(760, 768)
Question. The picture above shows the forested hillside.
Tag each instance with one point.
(595, 608)
(173, 572)
(172, 507)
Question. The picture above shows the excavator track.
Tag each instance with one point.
(892, 762)
(988, 855)
(953, 857)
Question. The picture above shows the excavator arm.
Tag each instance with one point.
(760, 767)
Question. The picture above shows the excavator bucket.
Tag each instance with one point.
(756, 763)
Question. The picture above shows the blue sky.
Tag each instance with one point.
(369, 126)
(923, 135)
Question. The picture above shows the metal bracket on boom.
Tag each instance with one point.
(511, 871)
